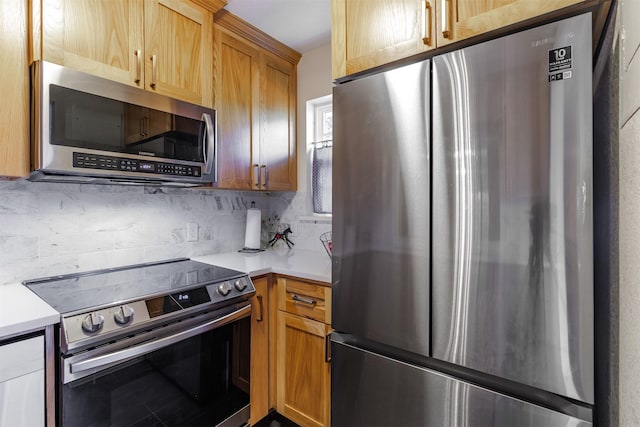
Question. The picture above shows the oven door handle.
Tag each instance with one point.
(109, 359)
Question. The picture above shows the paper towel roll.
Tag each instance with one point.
(252, 232)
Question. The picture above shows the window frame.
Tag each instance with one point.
(316, 110)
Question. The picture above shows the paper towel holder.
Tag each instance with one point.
(247, 249)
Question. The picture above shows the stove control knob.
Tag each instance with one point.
(240, 285)
(224, 289)
(123, 315)
(93, 322)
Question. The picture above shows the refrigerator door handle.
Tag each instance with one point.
(327, 347)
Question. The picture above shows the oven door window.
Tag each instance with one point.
(83, 120)
(200, 381)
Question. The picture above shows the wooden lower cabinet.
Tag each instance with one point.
(290, 354)
(303, 371)
(259, 388)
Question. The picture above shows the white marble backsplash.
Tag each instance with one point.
(48, 228)
(294, 208)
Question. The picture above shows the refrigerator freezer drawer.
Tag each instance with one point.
(372, 390)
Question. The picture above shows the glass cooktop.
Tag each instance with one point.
(101, 288)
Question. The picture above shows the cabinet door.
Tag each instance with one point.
(100, 37)
(259, 351)
(461, 19)
(303, 383)
(14, 88)
(237, 85)
(178, 54)
(368, 33)
(278, 124)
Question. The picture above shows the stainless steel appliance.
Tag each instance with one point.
(462, 237)
(164, 343)
(89, 129)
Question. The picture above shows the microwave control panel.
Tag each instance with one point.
(93, 161)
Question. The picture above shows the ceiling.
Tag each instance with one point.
(300, 24)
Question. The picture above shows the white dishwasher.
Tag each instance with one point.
(22, 401)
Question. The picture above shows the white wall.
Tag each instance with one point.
(314, 81)
(629, 214)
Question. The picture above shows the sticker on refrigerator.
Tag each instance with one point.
(559, 59)
(560, 62)
(560, 76)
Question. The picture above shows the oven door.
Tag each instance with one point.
(196, 373)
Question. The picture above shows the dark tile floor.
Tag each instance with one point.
(274, 419)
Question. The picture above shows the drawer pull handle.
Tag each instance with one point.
(138, 54)
(257, 175)
(260, 315)
(446, 32)
(426, 32)
(303, 300)
(154, 71)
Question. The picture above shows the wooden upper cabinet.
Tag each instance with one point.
(119, 39)
(368, 33)
(178, 48)
(237, 85)
(277, 156)
(99, 37)
(461, 19)
(255, 97)
(14, 90)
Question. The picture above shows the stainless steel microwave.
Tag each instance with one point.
(89, 129)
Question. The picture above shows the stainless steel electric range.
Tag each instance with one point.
(165, 343)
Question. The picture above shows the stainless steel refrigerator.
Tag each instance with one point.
(462, 237)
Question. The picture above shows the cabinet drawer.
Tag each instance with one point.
(305, 299)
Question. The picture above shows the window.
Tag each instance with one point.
(322, 156)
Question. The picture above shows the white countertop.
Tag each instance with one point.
(22, 311)
(309, 265)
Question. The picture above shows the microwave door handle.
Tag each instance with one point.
(107, 360)
(209, 151)
(215, 147)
